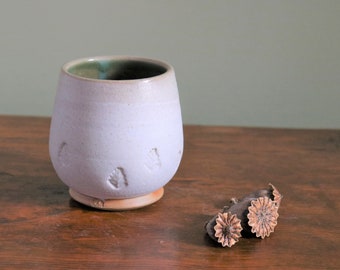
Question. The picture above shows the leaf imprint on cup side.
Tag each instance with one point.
(118, 178)
(63, 154)
(153, 160)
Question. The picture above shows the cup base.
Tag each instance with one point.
(117, 204)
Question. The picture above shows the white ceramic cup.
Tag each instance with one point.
(116, 135)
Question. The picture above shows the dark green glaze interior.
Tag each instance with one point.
(116, 69)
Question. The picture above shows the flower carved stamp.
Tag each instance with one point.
(254, 215)
(227, 229)
(262, 216)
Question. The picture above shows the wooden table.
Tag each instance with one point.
(42, 228)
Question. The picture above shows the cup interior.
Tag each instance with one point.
(116, 69)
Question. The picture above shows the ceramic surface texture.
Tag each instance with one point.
(116, 137)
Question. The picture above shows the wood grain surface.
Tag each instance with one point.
(42, 228)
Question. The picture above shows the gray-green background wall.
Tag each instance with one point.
(242, 63)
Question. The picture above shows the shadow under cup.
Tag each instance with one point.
(123, 69)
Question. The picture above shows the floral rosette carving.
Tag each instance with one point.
(227, 229)
(262, 216)
(254, 215)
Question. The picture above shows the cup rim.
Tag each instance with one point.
(168, 68)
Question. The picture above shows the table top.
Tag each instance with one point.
(42, 228)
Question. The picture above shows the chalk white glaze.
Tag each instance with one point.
(116, 137)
